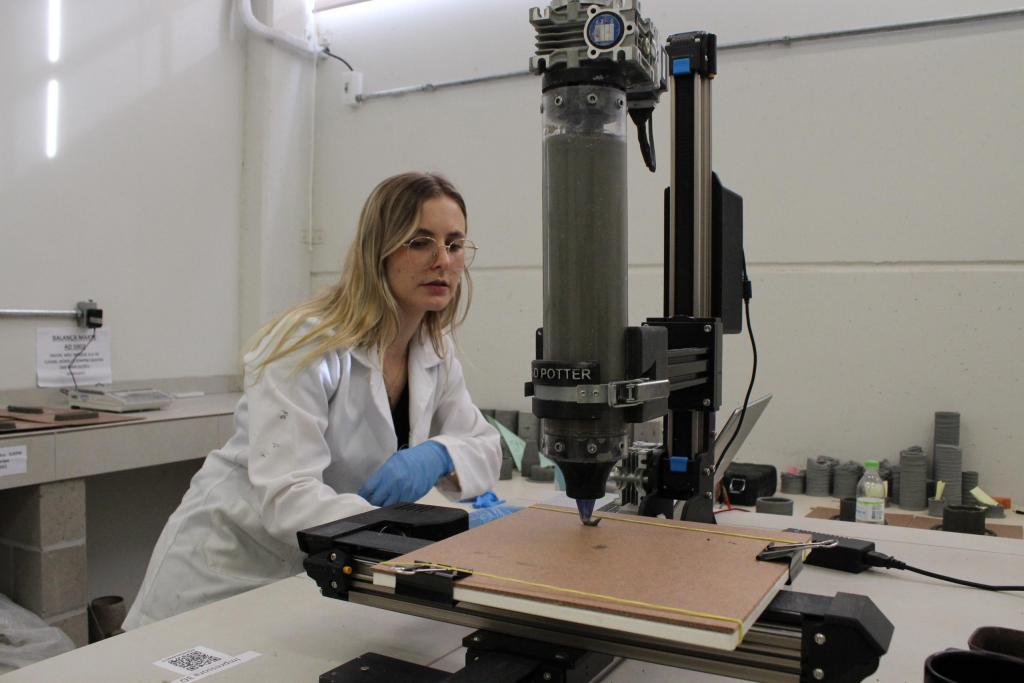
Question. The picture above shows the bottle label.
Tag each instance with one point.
(871, 510)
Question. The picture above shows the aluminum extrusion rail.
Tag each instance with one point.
(769, 653)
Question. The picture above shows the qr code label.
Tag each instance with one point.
(199, 662)
(192, 660)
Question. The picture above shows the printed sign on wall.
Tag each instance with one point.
(61, 351)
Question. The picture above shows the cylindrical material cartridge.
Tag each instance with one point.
(585, 269)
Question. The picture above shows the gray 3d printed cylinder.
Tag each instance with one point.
(775, 505)
(964, 519)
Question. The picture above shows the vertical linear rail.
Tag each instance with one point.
(692, 65)
(702, 202)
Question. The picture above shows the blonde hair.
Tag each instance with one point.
(360, 310)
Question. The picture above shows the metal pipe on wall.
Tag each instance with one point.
(783, 41)
(38, 313)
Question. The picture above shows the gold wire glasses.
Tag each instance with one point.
(461, 252)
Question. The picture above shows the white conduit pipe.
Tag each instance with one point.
(302, 47)
(785, 41)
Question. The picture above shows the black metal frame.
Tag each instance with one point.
(694, 345)
(490, 658)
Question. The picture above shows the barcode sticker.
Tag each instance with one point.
(200, 662)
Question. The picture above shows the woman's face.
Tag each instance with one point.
(420, 280)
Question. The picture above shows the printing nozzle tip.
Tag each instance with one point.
(585, 507)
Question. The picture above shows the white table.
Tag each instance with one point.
(300, 634)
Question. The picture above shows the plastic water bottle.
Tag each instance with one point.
(871, 495)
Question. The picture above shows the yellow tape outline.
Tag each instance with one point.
(651, 522)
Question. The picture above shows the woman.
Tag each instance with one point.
(352, 400)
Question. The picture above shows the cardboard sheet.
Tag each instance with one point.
(891, 518)
(922, 521)
(543, 562)
(1001, 530)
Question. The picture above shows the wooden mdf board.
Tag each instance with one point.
(47, 419)
(22, 426)
(632, 574)
(920, 522)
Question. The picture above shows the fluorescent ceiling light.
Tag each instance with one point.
(321, 5)
(52, 112)
(53, 32)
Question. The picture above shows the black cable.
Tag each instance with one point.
(652, 163)
(876, 559)
(327, 51)
(753, 370)
(80, 351)
(643, 119)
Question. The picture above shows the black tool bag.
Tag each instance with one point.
(746, 482)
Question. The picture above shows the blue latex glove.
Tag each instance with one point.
(484, 500)
(484, 515)
(408, 475)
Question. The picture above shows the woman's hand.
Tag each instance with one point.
(408, 475)
(485, 515)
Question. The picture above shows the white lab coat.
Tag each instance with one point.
(303, 445)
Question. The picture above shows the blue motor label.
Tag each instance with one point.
(605, 30)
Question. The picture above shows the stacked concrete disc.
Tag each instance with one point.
(894, 483)
(947, 428)
(949, 463)
(970, 480)
(913, 479)
(793, 483)
(845, 478)
(947, 431)
(818, 477)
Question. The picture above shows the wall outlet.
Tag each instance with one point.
(353, 87)
(311, 237)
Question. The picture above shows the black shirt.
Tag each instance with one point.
(400, 418)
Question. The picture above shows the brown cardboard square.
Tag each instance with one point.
(544, 554)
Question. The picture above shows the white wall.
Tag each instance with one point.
(177, 199)
(879, 177)
(179, 193)
(139, 209)
(277, 168)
